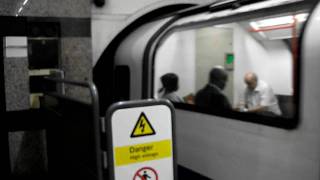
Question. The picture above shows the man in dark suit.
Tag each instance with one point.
(211, 95)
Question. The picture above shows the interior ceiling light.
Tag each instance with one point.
(275, 21)
(301, 17)
(278, 21)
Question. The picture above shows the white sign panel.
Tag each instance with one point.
(141, 142)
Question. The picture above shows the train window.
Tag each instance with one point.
(247, 67)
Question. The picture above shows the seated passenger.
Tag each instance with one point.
(211, 96)
(259, 97)
(169, 87)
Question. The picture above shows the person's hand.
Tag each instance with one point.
(240, 109)
(243, 110)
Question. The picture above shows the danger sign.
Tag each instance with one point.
(142, 152)
(146, 173)
(142, 127)
(141, 140)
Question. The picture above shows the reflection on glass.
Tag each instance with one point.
(258, 55)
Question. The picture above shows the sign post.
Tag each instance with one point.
(141, 142)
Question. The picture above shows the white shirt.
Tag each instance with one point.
(173, 97)
(262, 95)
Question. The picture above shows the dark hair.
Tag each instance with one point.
(218, 77)
(169, 82)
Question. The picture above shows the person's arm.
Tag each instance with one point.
(265, 96)
(257, 109)
(226, 103)
(241, 105)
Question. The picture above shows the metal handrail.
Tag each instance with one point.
(95, 110)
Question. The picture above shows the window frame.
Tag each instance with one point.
(169, 28)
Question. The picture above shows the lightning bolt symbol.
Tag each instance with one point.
(142, 125)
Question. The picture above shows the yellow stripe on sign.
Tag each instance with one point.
(142, 152)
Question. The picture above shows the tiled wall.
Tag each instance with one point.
(75, 52)
(75, 43)
(47, 8)
(16, 83)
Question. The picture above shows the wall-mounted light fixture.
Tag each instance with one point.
(21, 7)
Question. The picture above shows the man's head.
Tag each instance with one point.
(218, 76)
(251, 79)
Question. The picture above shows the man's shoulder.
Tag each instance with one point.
(201, 92)
(208, 91)
(205, 88)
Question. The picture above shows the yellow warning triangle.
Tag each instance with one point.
(143, 127)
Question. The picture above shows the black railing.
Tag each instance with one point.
(95, 114)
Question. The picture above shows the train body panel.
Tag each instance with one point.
(226, 148)
(136, 43)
